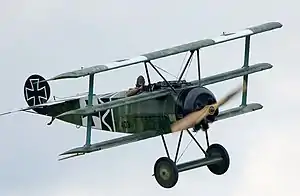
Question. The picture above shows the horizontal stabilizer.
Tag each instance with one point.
(42, 105)
(169, 51)
(110, 143)
(239, 111)
(32, 107)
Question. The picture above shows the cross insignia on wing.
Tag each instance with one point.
(36, 92)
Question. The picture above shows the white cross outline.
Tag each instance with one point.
(104, 116)
(38, 89)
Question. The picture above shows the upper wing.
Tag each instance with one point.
(169, 51)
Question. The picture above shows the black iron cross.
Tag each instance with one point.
(37, 92)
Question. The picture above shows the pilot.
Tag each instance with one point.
(139, 87)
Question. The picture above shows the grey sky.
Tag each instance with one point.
(49, 37)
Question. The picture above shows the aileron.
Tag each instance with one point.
(239, 111)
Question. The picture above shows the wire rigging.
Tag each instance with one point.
(185, 148)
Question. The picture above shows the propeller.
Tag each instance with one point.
(194, 118)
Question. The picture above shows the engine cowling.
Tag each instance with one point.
(194, 99)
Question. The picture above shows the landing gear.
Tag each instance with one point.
(166, 171)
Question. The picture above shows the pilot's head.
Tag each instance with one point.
(140, 81)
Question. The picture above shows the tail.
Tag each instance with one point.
(36, 92)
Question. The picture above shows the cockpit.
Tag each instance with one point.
(166, 84)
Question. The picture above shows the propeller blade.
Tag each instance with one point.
(228, 97)
(195, 117)
(189, 120)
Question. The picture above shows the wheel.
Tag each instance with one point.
(222, 166)
(165, 172)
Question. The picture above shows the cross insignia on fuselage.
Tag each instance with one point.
(37, 92)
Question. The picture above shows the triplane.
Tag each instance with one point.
(165, 107)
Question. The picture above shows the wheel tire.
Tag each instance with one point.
(222, 166)
(166, 172)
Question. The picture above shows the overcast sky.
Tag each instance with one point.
(50, 37)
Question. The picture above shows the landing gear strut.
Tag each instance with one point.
(166, 171)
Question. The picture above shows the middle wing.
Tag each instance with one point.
(151, 95)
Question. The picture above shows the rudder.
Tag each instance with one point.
(36, 91)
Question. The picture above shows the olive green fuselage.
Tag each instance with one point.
(153, 114)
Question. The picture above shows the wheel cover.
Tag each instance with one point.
(165, 172)
(222, 166)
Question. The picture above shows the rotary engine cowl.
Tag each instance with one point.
(194, 99)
